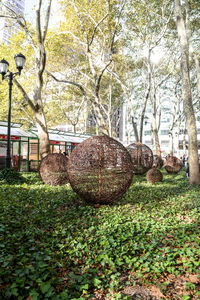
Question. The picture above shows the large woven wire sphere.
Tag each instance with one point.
(172, 164)
(142, 157)
(154, 175)
(157, 162)
(100, 169)
(53, 169)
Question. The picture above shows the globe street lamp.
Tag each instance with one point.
(20, 62)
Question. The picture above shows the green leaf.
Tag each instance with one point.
(96, 282)
(186, 297)
(45, 286)
(15, 292)
(34, 295)
(84, 287)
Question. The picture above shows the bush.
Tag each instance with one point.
(11, 176)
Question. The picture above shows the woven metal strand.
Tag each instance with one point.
(100, 169)
(142, 157)
(173, 164)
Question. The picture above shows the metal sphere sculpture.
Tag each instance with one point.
(100, 170)
(142, 157)
(154, 175)
(53, 169)
(157, 162)
(172, 164)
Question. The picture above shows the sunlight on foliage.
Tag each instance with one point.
(55, 246)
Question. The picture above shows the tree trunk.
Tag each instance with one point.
(40, 120)
(184, 141)
(109, 126)
(173, 120)
(156, 138)
(187, 97)
(178, 139)
(74, 128)
(135, 131)
(148, 89)
(191, 48)
(109, 118)
(99, 117)
(42, 133)
(128, 136)
(155, 128)
(196, 60)
(171, 143)
(143, 115)
(37, 42)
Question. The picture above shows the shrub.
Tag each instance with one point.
(10, 175)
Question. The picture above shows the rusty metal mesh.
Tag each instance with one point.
(100, 169)
(142, 157)
(173, 164)
(157, 162)
(53, 169)
(154, 175)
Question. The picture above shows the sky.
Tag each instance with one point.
(29, 5)
(30, 11)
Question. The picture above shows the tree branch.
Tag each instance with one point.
(38, 21)
(80, 20)
(46, 20)
(24, 94)
(67, 82)
(115, 31)
(88, 78)
(95, 28)
(100, 76)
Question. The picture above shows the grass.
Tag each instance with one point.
(55, 246)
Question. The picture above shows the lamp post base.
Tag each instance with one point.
(8, 162)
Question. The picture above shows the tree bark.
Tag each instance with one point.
(102, 128)
(40, 64)
(171, 143)
(156, 138)
(155, 127)
(171, 136)
(147, 94)
(135, 131)
(191, 48)
(184, 140)
(42, 132)
(178, 141)
(143, 114)
(187, 97)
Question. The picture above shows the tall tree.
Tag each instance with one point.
(192, 49)
(147, 24)
(37, 42)
(187, 96)
(91, 35)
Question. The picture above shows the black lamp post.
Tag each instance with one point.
(20, 61)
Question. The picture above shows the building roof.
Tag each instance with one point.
(54, 134)
(63, 136)
(15, 130)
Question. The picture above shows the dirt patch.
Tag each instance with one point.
(140, 292)
(173, 287)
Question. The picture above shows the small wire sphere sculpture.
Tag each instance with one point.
(53, 169)
(157, 162)
(100, 170)
(172, 164)
(154, 175)
(142, 157)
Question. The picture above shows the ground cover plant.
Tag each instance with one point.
(53, 245)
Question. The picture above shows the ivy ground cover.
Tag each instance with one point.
(55, 246)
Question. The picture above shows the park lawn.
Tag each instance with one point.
(55, 246)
